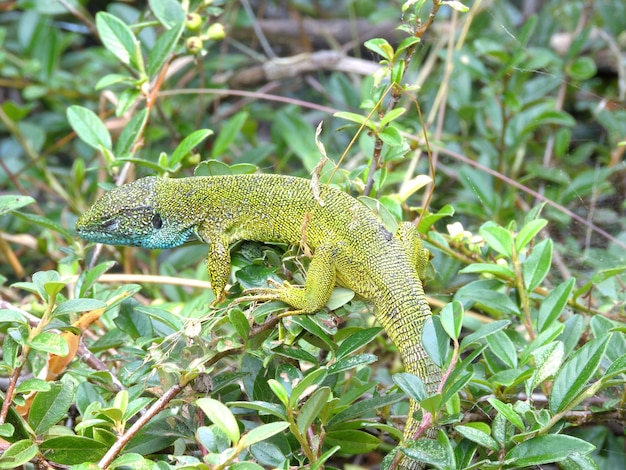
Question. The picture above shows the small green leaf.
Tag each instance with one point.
(381, 47)
(12, 202)
(73, 450)
(33, 385)
(351, 362)
(356, 341)
(428, 451)
(279, 390)
(170, 13)
(528, 232)
(435, 340)
(12, 316)
(221, 416)
(312, 408)
(391, 136)
(554, 303)
(503, 272)
(478, 436)
(265, 431)
(456, 5)
(163, 48)
(546, 449)
(452, 318)
(352, 441)
(576, 372)
(482, 332)
(506, 410)
(228, 133)
(307, 385)
(358, 118)
(50, 407)
(502, 346)
(583, 68)
(18, 454)
(89, 127)
(188, 144)
(410, 384)
(117, 38)
(365, 406)
(537, 265)
(498, 238)
(616, 368)
(49, 342)
(392, 115)
(239, 322)
(126, 140)
(264, 408)
(548, 359)
(78, 305)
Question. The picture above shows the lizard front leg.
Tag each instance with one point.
(313, 296)
(218, 261)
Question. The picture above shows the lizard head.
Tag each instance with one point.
(130, 216)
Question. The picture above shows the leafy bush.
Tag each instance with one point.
(520, 114)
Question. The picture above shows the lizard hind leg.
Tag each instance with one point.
(320, 280)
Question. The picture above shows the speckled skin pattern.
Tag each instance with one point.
(351, 247)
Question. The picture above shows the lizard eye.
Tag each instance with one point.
(110, 225)
(157, 221)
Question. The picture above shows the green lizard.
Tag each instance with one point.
(351, 247)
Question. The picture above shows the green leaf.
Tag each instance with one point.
(546, 449)
(163, 49)
(18, 454)
(33, 385)
(89, 128)
(392, 115)
(391, 136)
(50, 407)
(12, 202)
(306, 386)
(351, 362)
(279, 390)
(45, 222)
(357, 118)
(239, 322)
(295, 352)
(503, 272)
(366, 406)
(188, 144)
(576, 372)
(478, 436)
(78, 305)
(127, 139)
(482, 332)
(117, 38)
(583, 68)
(429, 451)
(228, 133)
(554, 303)
(548, 359)
(221, 416)
(498, 238)
(537, 265)
(435, 340)
(352, 441)
(73, 450)
(452, 318)
(170, 13)
(506, 410)
(356, 341)
(312, 408)
(12, 316)
(263, 432)
(502, 346)
(528, 232)
(49, 342)
(381, 47)
(410, 384)
(616, 368)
